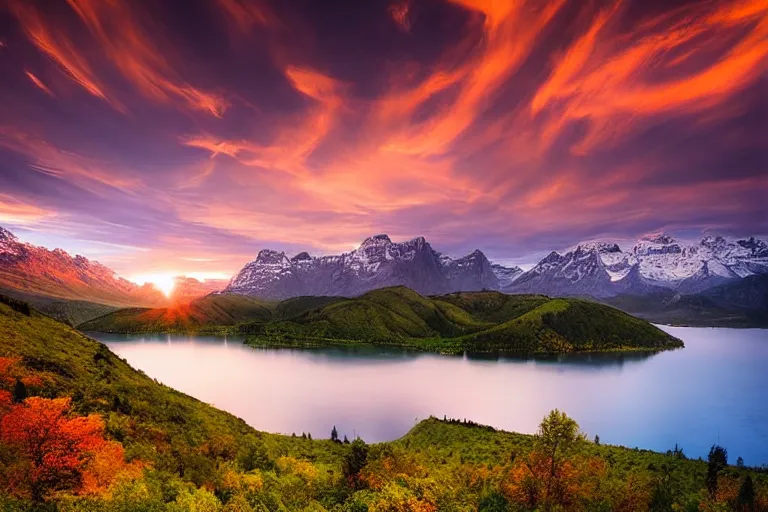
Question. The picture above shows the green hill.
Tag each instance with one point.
(185, 455)
(468, 321)
(210, 313)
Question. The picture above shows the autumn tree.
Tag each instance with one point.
(51, 449)
(556, 436)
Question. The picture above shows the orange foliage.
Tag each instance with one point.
(8, 369)
(376, 474)
(51, 451)
(107, 464)
(530, 483)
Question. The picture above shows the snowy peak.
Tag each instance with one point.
(7, 236)
(302, 256)
(757, 248)
(376, 263)
(658, 239)
(9, 244)
(658, 260)
(506, 275)
(270, 257)
(376, 240)
(599, 247)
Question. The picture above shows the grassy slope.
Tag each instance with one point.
(71, 312)
(178, 435)
(212, 313)
(475, 321)
(154, 422)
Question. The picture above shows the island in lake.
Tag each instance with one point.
(397, 316)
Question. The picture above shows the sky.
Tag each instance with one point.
(178, 137)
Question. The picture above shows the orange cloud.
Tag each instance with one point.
(141, 62)
(247, 13)
(606, 76)
(58, 47)
(38, 83)
(295, 138)
(53, 161)
(509, 32)
(13, 211)
(400, 11)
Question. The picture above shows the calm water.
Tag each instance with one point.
(712, 391)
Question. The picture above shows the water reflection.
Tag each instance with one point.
(714, 387)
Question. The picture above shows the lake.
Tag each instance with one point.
(713, 391)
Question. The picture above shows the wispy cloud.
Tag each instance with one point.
(510, 126)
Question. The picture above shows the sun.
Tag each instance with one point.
(163, 282)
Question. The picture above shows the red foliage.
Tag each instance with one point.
(50, 451)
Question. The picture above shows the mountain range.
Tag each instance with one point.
(595, 269)
(38, 272)
(377, 263)
(715, 280)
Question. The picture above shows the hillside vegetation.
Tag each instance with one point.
(743, 303)
(80, 430)
(467, 321)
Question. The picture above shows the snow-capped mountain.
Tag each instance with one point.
(656, 261)
(589, 269)
(29, 269)
(377, 263)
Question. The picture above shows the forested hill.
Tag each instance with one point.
(80, 430)
(466, 321)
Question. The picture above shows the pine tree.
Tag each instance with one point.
(746, 499)
(346, 441)
(717, 461)
(334, 434)
(19, 392)
(597, 440)
(355, 461)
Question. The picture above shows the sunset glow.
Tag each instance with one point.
(163, 282)
(513, 127)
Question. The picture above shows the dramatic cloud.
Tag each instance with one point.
(513, 127)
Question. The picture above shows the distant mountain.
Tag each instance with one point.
(655, 263)
(377, 263)
(186, 289)
(737, 303)
(37, 272)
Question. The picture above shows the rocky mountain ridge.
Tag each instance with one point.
(377, 263)
(595, 269)
(38, 271)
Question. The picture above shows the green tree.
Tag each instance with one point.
(354, 462)
(19, 392)
(597, 440)
(334, 434)
(745, 502)
(557, 435)
(740, 463)
(717, 461)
